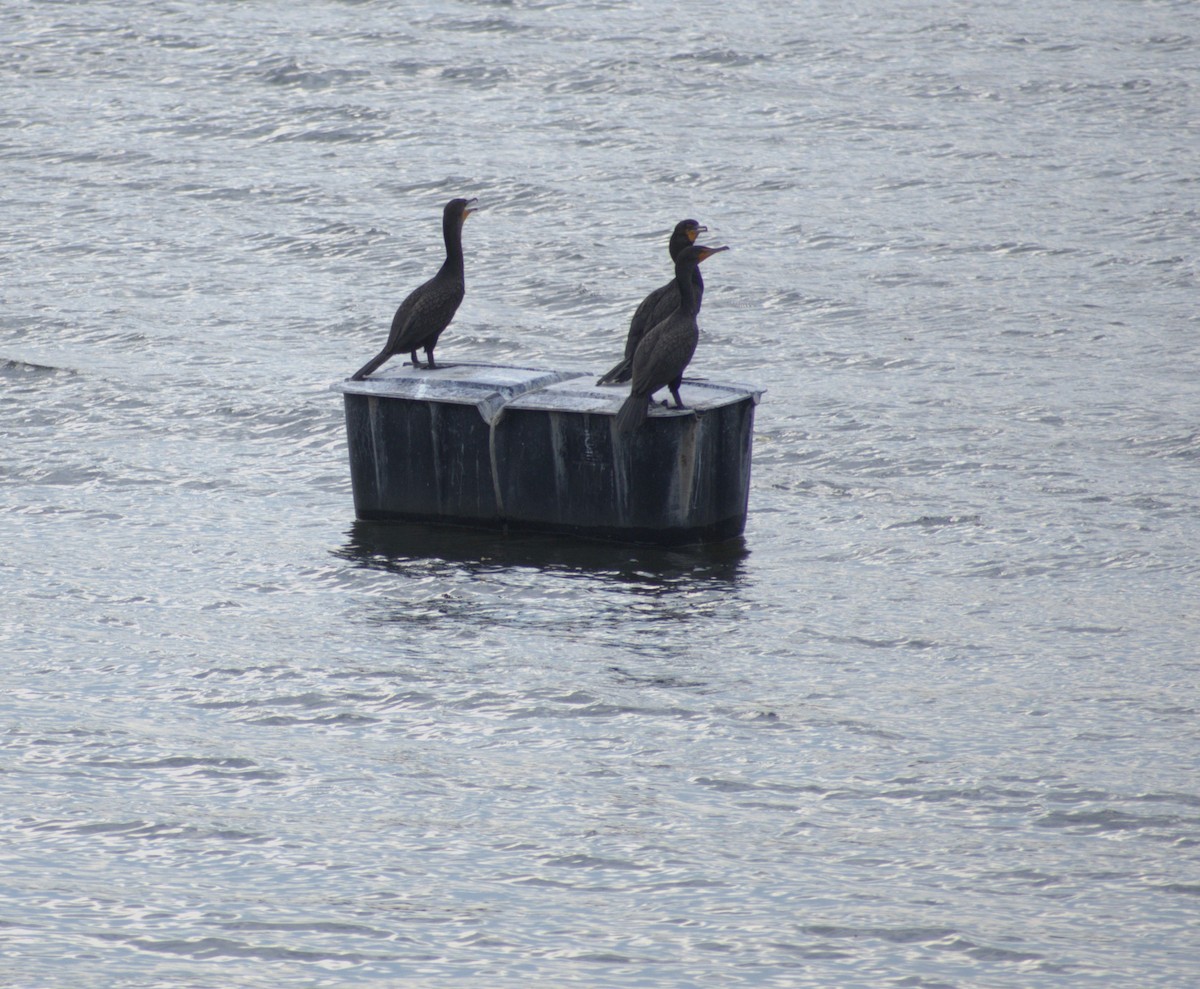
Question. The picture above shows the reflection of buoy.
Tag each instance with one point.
(537, 450)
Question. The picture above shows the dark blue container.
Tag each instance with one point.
(537, 450)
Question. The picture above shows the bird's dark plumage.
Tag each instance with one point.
(667, 347)
(429, 308)
(659, 304)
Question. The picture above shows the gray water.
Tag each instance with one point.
(934, 722)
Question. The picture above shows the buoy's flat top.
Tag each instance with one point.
(452, 382)
(489, 387)
(582, 394)
(492, 387)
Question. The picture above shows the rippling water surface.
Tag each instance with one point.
(934, 723)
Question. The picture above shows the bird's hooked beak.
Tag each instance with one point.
(696, 231)
(708, 252)
(469, 208)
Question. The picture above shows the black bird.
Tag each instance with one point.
(659, 304)
(667, 347)
(429, 308)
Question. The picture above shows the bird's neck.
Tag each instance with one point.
(677, 244)
(677, 247)
(452, 234)
(687, 288)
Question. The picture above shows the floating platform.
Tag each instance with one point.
(532, 449)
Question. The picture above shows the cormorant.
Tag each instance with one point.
(429, 308)
(659, 304)
(667, 347)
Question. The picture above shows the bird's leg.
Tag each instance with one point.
(415, 360)
(429, 358)
(674, 386)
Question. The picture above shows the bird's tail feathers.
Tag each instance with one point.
(371, 365)
(621, 372)
(632, 413)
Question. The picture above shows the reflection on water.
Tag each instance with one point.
(408, 548)
(435, 591)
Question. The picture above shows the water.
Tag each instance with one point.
(934, 723)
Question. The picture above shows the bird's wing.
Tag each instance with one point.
(665, 304)
(665, 352)
(651, 354)
(426, 313)
(646, 316)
